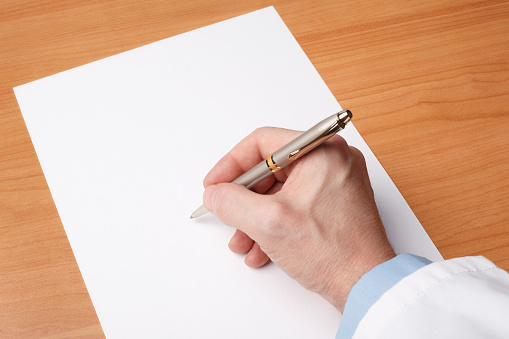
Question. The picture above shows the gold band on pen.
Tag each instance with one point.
(271, 164)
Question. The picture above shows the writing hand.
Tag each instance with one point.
(316, 219)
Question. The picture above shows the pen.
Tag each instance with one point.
(292, 151)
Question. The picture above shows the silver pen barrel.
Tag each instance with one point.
(254, 175)
(295, 149)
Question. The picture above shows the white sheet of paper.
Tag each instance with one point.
(124, 144)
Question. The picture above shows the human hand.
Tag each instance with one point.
(316, 219)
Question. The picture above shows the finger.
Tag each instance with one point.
(239, 207)
(362, 170)
(256, 257)
(240, 243)
(228, 169)
(249, 152)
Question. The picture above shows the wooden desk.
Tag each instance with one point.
(428, 82)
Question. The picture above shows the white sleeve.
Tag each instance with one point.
(458, 298)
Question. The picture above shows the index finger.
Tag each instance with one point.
(254, 148)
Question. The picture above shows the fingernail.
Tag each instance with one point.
(208, 197)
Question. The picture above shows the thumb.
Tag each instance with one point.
(236, 206)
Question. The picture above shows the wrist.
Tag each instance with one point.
(351, 271)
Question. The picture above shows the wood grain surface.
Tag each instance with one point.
(427, 81)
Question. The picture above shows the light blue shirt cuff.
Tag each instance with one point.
(372, 286)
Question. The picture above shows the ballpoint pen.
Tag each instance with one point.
(292, 151)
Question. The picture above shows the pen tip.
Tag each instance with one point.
(199, 212)
(191, 217)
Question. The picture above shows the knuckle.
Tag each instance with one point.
(359, 160)
(342, 149)
(261, 132)
(336, 155)
(277, 215)
(339, 141)
(357, 154)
